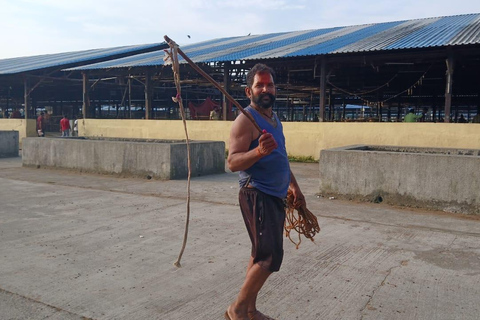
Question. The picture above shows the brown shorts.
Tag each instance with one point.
(264, 217)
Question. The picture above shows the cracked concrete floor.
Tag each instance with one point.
(80, 246)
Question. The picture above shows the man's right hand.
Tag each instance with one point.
(266, 144)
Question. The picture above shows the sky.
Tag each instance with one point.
(35, 27)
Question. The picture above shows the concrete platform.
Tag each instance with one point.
(445, 179)
(82, 246)
(160, 159)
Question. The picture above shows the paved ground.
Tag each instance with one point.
(80, 246)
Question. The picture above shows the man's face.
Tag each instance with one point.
(262, 92)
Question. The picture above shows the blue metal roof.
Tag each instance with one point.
(407, 34)
(25, 64)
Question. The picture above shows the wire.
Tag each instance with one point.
(409, 90)
(365, 92)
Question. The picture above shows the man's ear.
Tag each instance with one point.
(248, 92)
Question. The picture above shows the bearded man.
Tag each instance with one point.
(265, 178)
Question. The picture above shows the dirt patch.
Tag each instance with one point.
(410, 204)
(451, 259)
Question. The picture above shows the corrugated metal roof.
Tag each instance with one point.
(408, 34)
(24, 64)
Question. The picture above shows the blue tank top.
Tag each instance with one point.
(270, 174)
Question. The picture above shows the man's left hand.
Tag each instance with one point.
(298, 199)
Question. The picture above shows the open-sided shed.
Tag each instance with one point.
(429, 64)
(30, 82)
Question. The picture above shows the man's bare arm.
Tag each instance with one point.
(298, 197)
(241, 136)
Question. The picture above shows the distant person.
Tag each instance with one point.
(476, 119)
(424, 115)
(41, 124)
(75, 127)
(15, 115)
(65, 126)
(315, 118)
(214, 114)
(462, 119)
(411, 116)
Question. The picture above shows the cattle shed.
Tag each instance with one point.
(370, 72)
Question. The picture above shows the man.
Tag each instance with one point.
(411, 116)
(214, 114)
(462, 119)
(75, 127)
(65, 126)
(16, 114)
(41, 124)
(476, 119)
(265, 177)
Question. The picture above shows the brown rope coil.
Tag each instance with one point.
(303, 221)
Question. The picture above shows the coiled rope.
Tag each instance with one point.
(303, 221)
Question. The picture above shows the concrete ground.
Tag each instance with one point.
(82, 246)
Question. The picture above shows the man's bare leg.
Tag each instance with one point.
(246, 300)
(253, 304)
(252, 307)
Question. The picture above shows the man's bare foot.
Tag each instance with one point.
(233, 314)
(257, 315)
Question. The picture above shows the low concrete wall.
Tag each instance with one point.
(441, 179)
(8, 144)
(137, 157)
(302, 138)
(25, 128)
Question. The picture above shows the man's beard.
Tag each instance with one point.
(265, 104)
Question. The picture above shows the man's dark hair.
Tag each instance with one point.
(258, 68)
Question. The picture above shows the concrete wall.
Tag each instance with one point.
(303, 138)
(25, 128)
(442, 179)
(8, 144)
(158, 159)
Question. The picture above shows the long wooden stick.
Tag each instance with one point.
(212, 81)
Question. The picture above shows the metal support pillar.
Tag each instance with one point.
(331, 106)
(129, 97)
(148, 96)
(226, 85)
(323, 76)
(86, 96)
(449, 86)
(26, 96)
